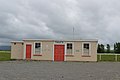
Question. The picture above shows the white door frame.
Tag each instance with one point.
(64, 50)
(24, 56)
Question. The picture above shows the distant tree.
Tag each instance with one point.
(114, 48)
(100, 48)
(108, 48)
(117, 47)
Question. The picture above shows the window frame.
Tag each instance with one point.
(40, 48)
(72, 48)
(89, 54)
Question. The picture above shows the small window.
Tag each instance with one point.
(37, 48)
(14, 43)
(69, 50)
(22, 43)
(69, 45)
(86, 49)
(86, 46)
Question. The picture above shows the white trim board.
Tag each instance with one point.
(89, 47)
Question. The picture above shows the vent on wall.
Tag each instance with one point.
(14, 43)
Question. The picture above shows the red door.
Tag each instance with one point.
(28, 51)
(58, 52)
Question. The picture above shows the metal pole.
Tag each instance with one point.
(73, 33)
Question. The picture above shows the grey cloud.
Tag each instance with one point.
(55, 19)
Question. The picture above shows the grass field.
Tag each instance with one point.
(108, 57)
(4, 55)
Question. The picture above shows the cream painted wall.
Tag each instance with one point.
(17, 51)
(47, 50)
(78, 52)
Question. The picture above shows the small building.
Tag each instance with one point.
(54, 50)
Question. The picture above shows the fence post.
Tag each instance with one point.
(100, 57)
(115, 57)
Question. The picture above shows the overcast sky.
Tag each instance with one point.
(55, 19)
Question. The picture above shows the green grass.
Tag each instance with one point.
(4, 55)
(107, 57)
(98, 57)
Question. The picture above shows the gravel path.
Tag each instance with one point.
(38, 70)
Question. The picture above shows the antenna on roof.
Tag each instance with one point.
(73, 33)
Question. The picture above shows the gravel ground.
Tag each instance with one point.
(40, 70)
